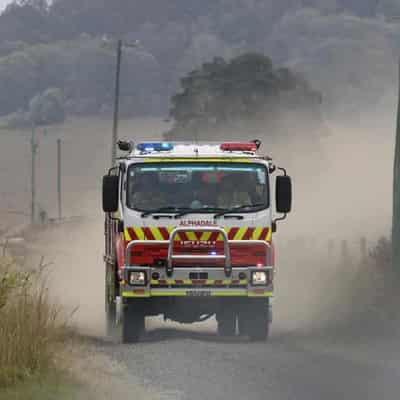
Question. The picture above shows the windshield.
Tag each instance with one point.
(203, 187)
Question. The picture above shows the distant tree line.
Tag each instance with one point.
(344, 47)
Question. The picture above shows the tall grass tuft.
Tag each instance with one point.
(30, 325)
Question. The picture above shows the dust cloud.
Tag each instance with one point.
(342, 191)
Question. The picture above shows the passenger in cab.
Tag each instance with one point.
(233, 193)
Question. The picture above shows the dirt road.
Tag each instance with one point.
(196, 365)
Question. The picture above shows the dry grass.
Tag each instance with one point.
(31, 326)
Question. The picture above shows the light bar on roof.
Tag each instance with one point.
(239, 146)
(157, 146)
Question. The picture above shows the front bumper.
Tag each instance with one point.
(208, 282)
(216, 284)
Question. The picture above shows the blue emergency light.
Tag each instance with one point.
(148, 147)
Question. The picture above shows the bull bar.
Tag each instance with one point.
(171, 256)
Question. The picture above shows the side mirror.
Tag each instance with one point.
(110, 193)
(283, 194)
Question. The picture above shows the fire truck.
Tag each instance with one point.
(188, 235)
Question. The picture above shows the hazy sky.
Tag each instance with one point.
(3, 3)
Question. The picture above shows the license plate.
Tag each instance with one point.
(198, 293)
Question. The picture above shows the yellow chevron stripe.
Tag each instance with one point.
(127, 236)
(191, 236)
(204, 237)
(257, 234)
(139, 233)
(156, 233)
(240, 233)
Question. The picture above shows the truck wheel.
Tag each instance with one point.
(132, 322)
(110, 304)
(226, 320)
(254, 320)
(111, 319)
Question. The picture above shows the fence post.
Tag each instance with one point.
(363, 250)
(59, 193)
(34, 148)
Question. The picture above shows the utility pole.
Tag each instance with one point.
(34, 148)
(59, 179)
(120, 46)
(396, 190)
(116, 104)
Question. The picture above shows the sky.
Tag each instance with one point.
(3, 3)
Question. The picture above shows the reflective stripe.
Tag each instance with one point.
(133, 294)
(156, 233)
(184, 293)
(163, 233)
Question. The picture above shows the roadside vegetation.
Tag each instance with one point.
(31, 330)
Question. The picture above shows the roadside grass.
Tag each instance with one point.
(51, 385)
(32, 330)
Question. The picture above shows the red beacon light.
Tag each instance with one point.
(249, 146)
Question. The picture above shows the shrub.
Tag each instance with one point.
(381, 253)
(30, 324)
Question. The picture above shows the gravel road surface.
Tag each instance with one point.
(183, 363)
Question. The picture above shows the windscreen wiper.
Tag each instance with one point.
(166, 210)
(198, 211)
(233, 210)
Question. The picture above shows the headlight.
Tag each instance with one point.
(137, 278)
(258, 278)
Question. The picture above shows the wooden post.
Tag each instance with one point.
(363, 250)
(59, 179)
(396, 190)
(34, 147)
(345, 254)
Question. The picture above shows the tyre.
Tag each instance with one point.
(111, 319)
(110, 304)
(254, 320)
(226, 320)
(133, 320)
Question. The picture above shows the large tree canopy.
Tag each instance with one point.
(245, 92)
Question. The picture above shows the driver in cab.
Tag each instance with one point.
(233, 193)
(146, 193)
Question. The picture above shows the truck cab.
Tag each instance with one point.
(188, 231)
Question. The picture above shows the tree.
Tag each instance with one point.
(47, 107)
(246, 91)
